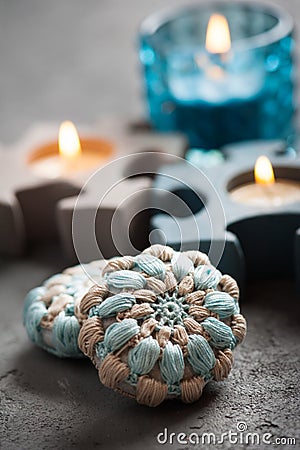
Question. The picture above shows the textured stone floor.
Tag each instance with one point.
(74, 59)
(59, 404)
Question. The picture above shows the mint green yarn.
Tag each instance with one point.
(220, 333)
(200, 355)
(206, 277)
(125, 279)
(169, 310)
(112, 305)
(174, 389)
(172, 364)
(101, 350)
(221, 303)
(143, 356)
(58, 333)
(52, 280)
(181, 265)
(65, 332)
(132, 379)
(150, 265)
(119, 333)
(33, 312)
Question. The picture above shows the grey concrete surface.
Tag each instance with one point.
(75, 59)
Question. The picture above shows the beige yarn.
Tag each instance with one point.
(150, 388)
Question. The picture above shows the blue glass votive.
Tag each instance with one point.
(217, 97)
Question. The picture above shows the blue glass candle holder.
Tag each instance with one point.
(219, 98)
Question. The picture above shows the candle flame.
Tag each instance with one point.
(218, 35)
(68, 141)
(263, 171)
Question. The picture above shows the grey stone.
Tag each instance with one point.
(76, 60)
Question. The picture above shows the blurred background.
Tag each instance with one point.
(73, 59)
(78, 60)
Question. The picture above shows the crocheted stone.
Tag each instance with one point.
(51, 315)
(161, 325)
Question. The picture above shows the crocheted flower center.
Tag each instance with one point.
(170, 310)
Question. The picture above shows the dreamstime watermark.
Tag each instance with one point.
(239, 436)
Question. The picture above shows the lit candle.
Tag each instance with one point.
(218, 38)
(221, 95)
(71, 156)
(266, 191)
(224, 74)
(213, 71)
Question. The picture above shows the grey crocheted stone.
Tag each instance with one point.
(51, 315)
(161, 325)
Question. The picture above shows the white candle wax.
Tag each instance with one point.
(70, 155)
(280, 193)
(55, 166)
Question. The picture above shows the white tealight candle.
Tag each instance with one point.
(266, 191)
(69, 158)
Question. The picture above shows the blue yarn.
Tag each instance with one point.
(125, 279)
(151, 265)
(132, 379)
(33, 313)
(237, 306)
(172, 364)
(200, 354)
(181, 265)
(101, 350)
(220, 333)
(117, 303)
(221, 303)
(33, 296)
(35, 309)
(143, 356)
(65, 332)
(169, 310)
(174, 389)
(119, 333)
(206, 277)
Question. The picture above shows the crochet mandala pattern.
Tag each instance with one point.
(161, 324)
(50, 313)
